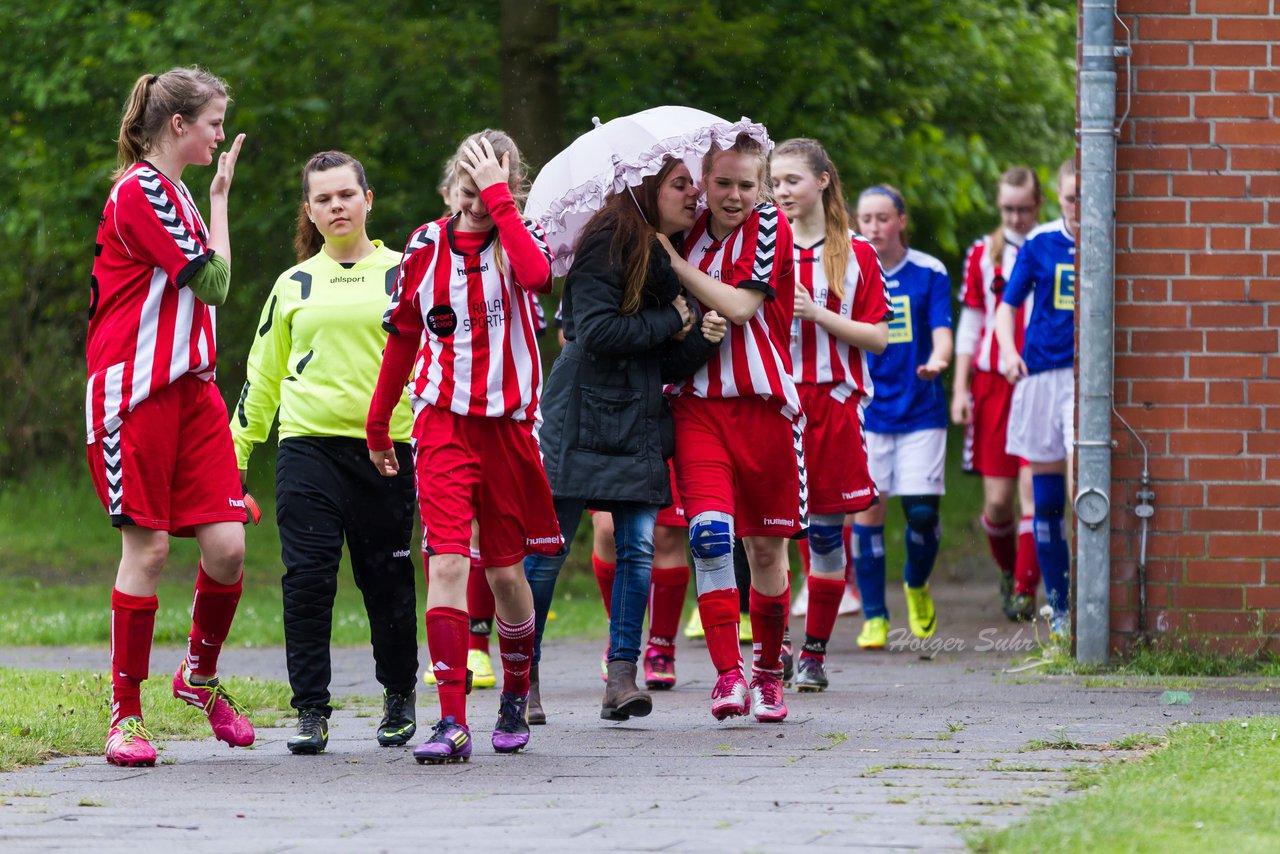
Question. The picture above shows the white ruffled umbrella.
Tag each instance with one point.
(620, 154)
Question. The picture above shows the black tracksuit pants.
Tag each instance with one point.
(328, 491)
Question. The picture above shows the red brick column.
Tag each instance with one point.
(1197, 282)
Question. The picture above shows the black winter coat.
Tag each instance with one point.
(607, 431)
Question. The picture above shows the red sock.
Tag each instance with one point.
(604, 578)
(480, 608)
(768, 622)
(802, 546)
(824, 602)
(666, 606)
(1003, 540)
(719, 612)
(447, 647)
(133, 622)
(1026, 573)
(211, 614)
(515, 644)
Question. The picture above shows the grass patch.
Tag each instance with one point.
(1061, 742)
(1022, 769)
(75, 611)
(44, 713)
(834, 739)
(1212, 787)
(52, 594)
(59, 553)
(1137, 741)
(1185, 658)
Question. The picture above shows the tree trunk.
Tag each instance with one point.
(531, 77)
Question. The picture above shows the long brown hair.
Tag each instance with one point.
(517, 180)
(307, 239)
(1015, 176)
(633, 216)
(154, 99)
(835, 211)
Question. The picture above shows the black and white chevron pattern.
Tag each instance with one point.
(420, 239)
(113, 467)
(167, 212)
(797, 442)
(766, 242)
(539, 237)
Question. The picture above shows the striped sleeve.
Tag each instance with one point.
(404, 313)
(757, 263)
(153, 231)
(871, 301)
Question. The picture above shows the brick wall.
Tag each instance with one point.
(1197, 312)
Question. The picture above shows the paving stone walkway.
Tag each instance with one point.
(909, 749)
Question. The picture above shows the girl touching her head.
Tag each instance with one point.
(463, 310)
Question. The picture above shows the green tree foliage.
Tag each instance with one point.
(935, 97)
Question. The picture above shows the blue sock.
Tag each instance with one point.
(1051, 543)
(868, 565)
(924, 536)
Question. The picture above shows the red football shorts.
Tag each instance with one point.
(673, 516)
(992, 395)
(486, 469)
(835, 453)
(739, 456)
(170, 466)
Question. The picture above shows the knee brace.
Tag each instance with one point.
(922, 513)
(711, 541)
(826, 542)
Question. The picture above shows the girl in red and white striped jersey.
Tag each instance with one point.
(738, 425)
(842, 312)
(467, 290)
(159, 450)
(981, 397)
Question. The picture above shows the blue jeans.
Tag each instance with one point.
(633, 538)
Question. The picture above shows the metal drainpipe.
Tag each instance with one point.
(1095, 293)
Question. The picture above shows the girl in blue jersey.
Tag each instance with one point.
(1043, 409)
(906, 420)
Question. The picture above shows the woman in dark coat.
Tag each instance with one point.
(606, 432)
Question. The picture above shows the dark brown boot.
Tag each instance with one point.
(622, 699)
(534, 713)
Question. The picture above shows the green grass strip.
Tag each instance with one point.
(1212, 787)
(40, 613)
(47, 713)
